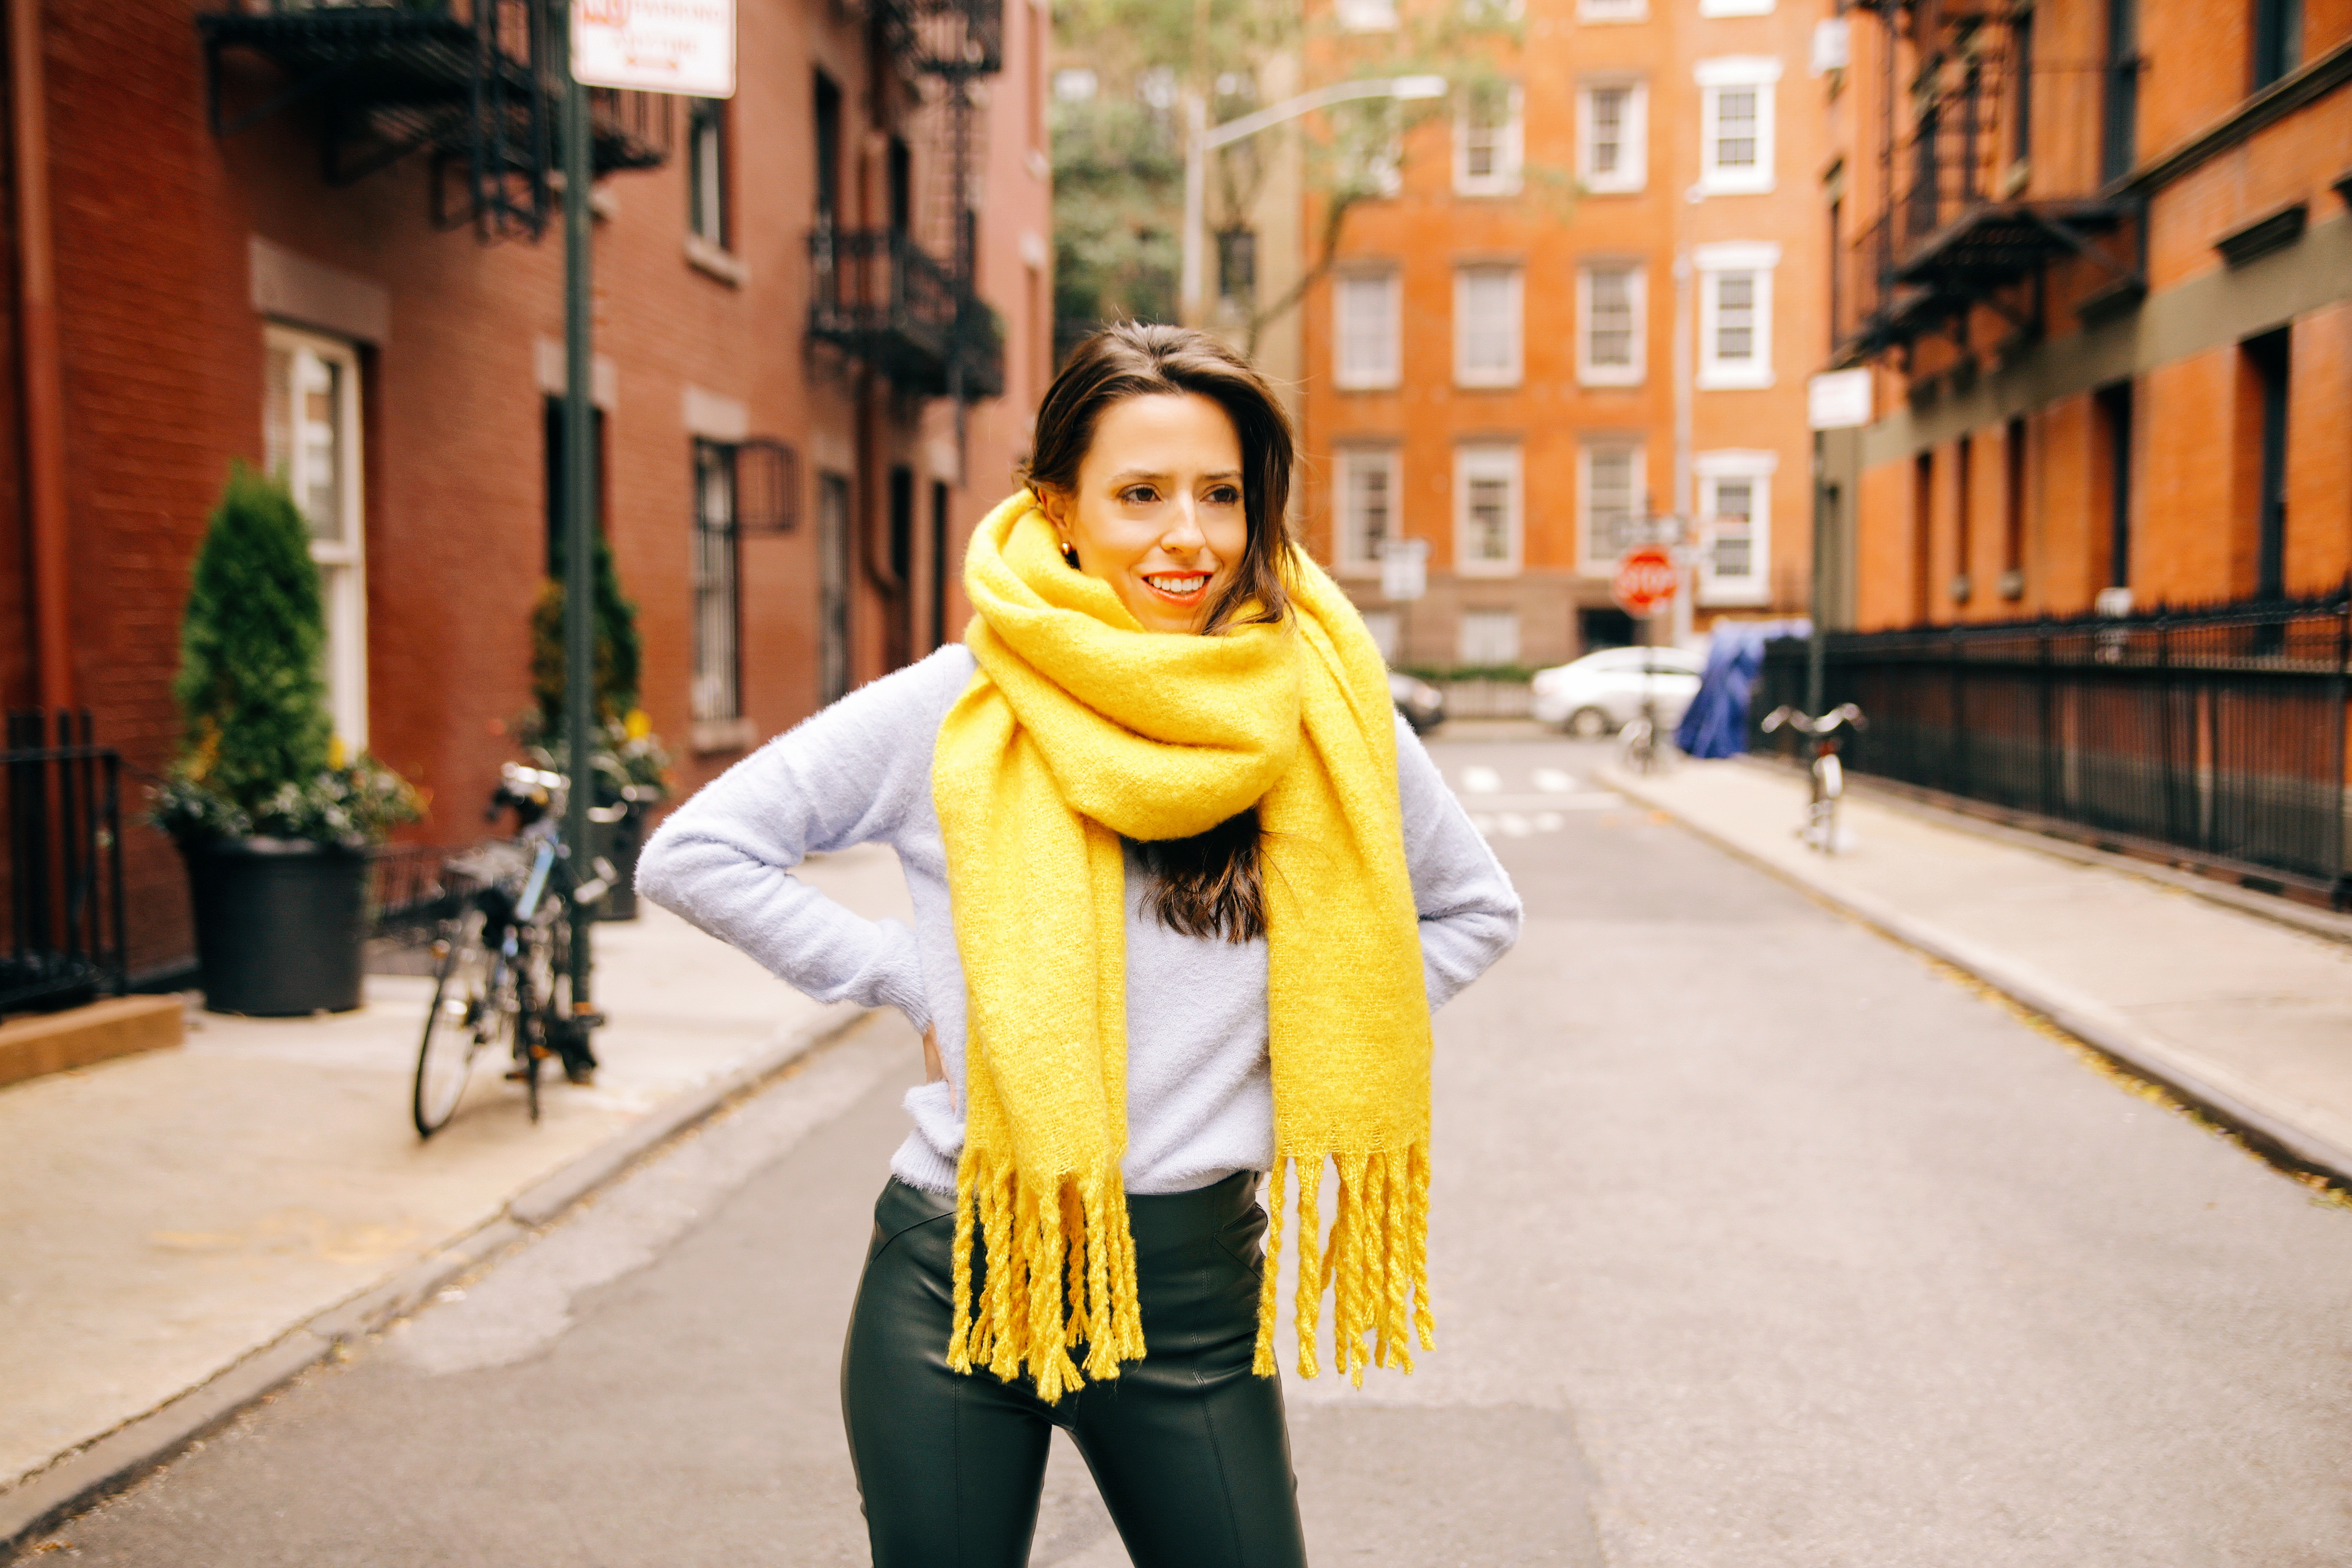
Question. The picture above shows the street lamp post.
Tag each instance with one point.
(1201, 139)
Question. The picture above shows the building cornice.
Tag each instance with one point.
(2297, 89)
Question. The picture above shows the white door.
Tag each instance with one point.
(310, 433)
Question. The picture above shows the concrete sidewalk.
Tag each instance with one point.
(2247, 1018)
(172, 1214)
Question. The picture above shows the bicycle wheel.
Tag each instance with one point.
(463, 1018)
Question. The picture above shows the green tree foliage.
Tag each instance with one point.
(250, 690)
(1118, 157)
(620, 651)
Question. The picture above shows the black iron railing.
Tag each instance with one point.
(2219, 731)
(880, 297)
(64, 940)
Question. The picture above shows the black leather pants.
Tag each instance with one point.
(1188, 1447)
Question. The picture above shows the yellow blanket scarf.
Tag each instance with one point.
(1080, 727)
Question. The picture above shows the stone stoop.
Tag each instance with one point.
(118, 1026)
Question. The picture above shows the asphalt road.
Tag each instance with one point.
(1758, 1243)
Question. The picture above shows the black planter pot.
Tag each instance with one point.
(619, 842)
(280, 925)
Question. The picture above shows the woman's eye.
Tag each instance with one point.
(1224, 495)
(1138, 495)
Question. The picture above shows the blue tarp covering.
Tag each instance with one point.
(1716, 723)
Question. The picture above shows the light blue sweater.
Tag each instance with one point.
(1200, 1098)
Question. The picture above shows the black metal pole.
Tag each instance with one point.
(1816, 652)
(579, 493)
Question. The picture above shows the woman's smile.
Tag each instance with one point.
(1186, 588)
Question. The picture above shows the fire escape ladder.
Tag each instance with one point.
(467, 82)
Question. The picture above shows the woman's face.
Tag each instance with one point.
(1157, 513)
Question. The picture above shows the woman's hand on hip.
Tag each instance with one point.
(935, 1067)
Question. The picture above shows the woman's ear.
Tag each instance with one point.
(1055, 503)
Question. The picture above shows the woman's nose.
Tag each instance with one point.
(1184, 527)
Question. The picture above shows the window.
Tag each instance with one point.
(311, 440)
(1612, 136)
(1735, 7)
(1369, 149)
(1366, 329)
(828, 150)
(1613, 505)
(1610, 300)
(1488, 638)
(2012, 511)
(1237, 268)
(2119, 116)
(2114, 404)
(717, 585)
(1486, 510)
(1612, 10)
(1735, 526)
(1369, 489)
(706, 171)
(1735, 314)
(1488, 141)
(2278, 39)
(1367, 16)
(1487, 326)
(1736, 124)
(1964, 463)
(833, 586)
(1923, 537)
(2269, 359)
(1387, 628)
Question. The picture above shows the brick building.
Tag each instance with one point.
(817, 347)
(2098, 253)
(1586, 311)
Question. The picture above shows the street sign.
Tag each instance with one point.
(1838, 399)
(656, 46)
(1404, 569)
(1646, 579)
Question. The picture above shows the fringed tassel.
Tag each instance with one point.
(1268, 1294)
(1060, 1271)
(1375, 1262)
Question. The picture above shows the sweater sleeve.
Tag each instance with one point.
(1469, 911)
(857, 773)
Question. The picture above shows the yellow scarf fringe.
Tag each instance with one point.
(1078, 728)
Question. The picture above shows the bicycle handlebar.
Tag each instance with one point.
(1843, 713)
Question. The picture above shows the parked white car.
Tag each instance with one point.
(1597, 694)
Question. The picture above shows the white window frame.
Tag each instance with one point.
(1761, 74)
(1380, 373)
(1505, 374)
(343, 561)
(1638, 298)
(1489, 460)
(1605, 11)
(1594, 563)
(1353, 558)
(1735, 7)
(1754, 469)
(1632, 171)
(1366, 16)
(1464, 654)
(1510, 149)
(1714, 263)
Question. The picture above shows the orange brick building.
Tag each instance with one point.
(1493, 365)
(265, 227)
(2098, 253)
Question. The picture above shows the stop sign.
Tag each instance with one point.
(1646, 579)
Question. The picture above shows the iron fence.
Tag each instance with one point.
(64, 939)
(2219, 731)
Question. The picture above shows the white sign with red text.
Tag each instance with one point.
(656, 46)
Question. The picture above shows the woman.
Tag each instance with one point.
(1185, 891)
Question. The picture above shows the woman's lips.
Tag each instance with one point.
(1178, 587)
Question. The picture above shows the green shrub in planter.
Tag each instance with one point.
(274, 824)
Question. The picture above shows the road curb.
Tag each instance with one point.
(2272, 1134)
(108, 1464)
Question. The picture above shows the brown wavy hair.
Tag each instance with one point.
(1208, 885)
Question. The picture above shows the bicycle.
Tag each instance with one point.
(503, 971)
(1820, 831)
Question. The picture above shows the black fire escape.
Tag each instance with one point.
(1978, 208)
(470, 83)
(910, 309)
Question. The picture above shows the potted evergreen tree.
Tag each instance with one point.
(274, 824)
(630, 769)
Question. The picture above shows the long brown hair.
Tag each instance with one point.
(1208, 885)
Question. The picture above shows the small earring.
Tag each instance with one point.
(1070, 554)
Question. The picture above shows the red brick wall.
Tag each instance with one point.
(163, 365)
